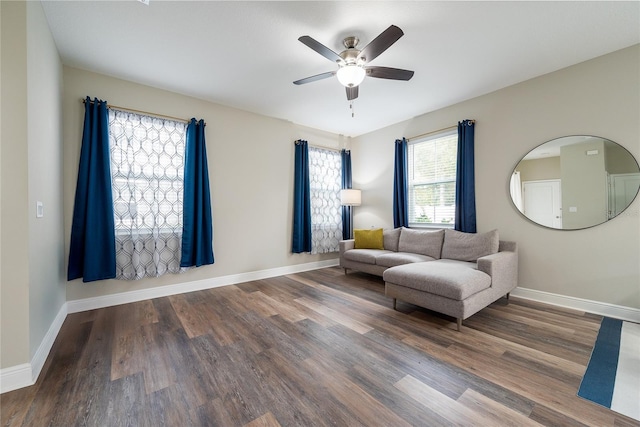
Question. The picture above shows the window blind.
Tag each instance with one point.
(432, 180)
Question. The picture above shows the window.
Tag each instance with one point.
(325, 173)
(147, 174)
(432, 180)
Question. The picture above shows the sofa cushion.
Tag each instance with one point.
(422, 242)
(463, 264)
(399, 258)
(368, 239)
(367, 256)
(391, 239)
(449, 281)
(469, 246)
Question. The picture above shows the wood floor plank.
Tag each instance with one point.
(82, 384)
(456, 413)
(15, 405)
(318, 348)
(335, 315)
(365, 408)
(362, 310)
(124, 355)
(315, 406)
(278, 308)
(267, 420)
(539, 388)
(531, 336)
(381, 387)
(168, 407)
(492, 412)
(225, 324)
(236, 383)
(236, 299)
(219, 327)
(128, 403)
(44, 396)
(496, 346)
(288, 290)
(190, 378)
(213, 414)
(190, 317)
(212, 359)
(153, 358)
(551, 417)
(441, 371)
(260, 304)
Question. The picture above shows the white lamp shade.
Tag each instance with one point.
(351, 75)
(350, 197)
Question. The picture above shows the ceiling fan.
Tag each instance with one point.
(352, 63)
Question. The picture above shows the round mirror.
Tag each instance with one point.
(575, 182)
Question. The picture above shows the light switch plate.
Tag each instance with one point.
(39, 210)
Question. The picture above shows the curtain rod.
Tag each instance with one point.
(321, 147)
(147, 113)
(436, 131)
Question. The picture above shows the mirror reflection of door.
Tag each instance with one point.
(542, 202)
(623, 189)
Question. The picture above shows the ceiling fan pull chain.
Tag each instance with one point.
(353, 111)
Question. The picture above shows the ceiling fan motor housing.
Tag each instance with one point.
(350, 42)
(350, 54)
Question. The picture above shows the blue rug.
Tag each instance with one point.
(612, 378)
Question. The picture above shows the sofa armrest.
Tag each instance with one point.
(345, 245)
(506, 245)
(503, 269)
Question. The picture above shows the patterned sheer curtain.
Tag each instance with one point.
(147, 172)
(325, 175)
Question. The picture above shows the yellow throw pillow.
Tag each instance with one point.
(369, 239)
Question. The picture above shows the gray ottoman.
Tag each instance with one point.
(456, 289)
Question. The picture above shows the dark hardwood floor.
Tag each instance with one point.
(312, 349)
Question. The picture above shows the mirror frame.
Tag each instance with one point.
(557, 144)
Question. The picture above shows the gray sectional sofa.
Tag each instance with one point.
(454, 273)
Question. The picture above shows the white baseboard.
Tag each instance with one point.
(604, 309)
(15, 377)
(24, 375)
(75, 306)
(38, 360)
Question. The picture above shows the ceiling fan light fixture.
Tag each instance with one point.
(351, 75)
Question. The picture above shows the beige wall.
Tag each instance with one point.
(15, 275)
(32, 284)
(598, 97)
(251, 176)
(47, 281)
(539, 169)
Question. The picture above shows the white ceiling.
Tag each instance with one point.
(247, 54)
